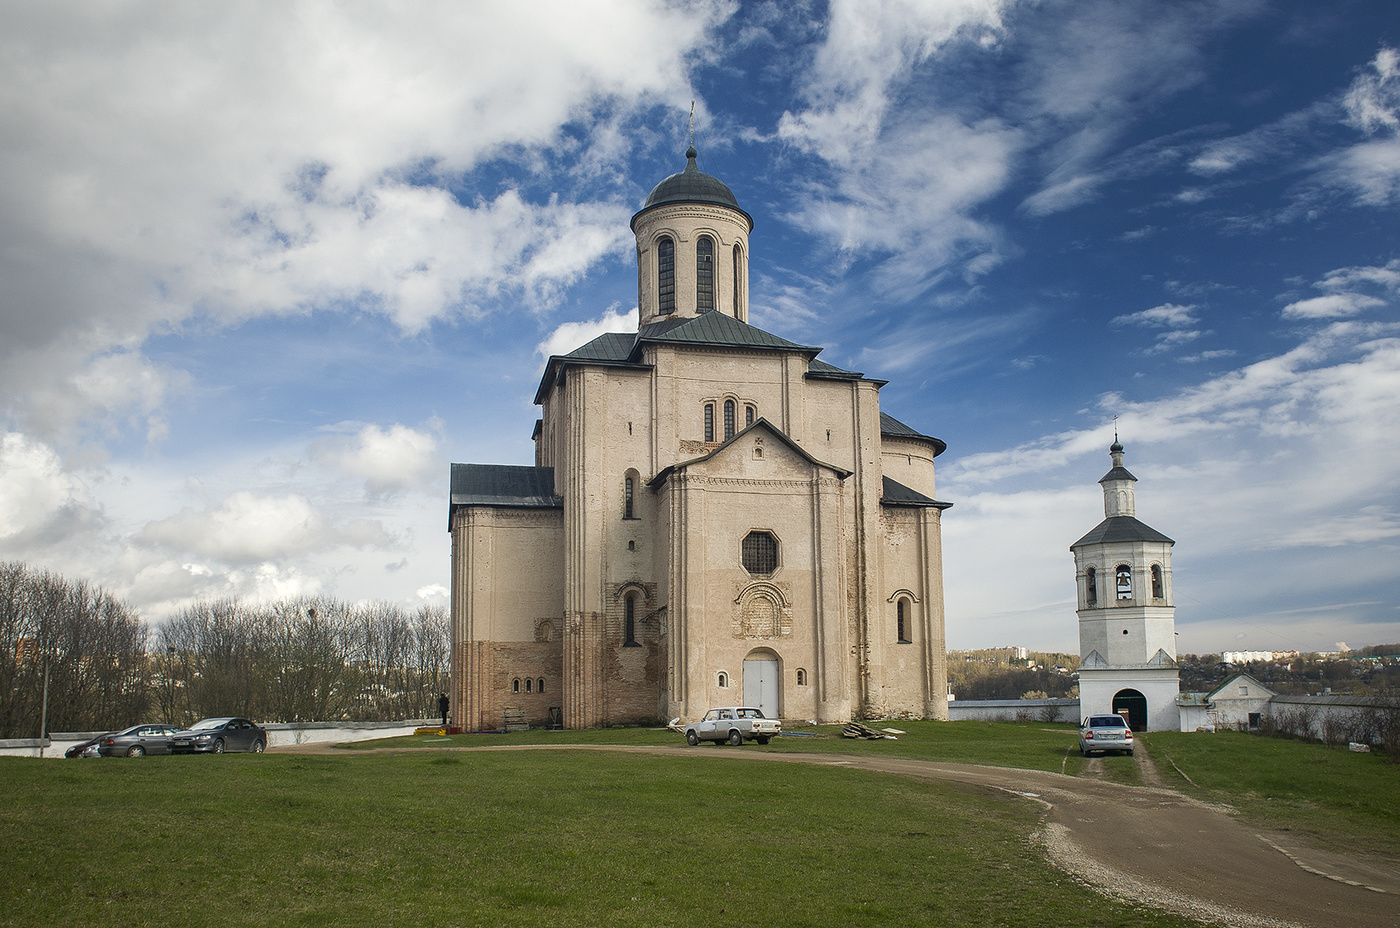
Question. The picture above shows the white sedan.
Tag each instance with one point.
(734, 724)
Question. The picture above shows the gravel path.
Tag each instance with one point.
(1144, 844)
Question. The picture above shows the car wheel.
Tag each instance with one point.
(135, 751)
(763, 739)
(691, 738)
(219, 746)
(258, 747)
(736, 738)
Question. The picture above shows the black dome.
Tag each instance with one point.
(691, 186)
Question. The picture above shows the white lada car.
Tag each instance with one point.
(735, 724)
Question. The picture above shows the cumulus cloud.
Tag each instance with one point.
(389, 460)
(225, 162)
(1331, 306)
(247, 529)
(571, 335)
(42, 504)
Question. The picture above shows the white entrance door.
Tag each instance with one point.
(761, 685)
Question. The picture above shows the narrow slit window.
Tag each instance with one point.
(704, 274)
(629, 622)
(665, 276)
(709, 422)
(728, 419)
(539, 685)
(749, 414)
(627, 500)
(902, 621)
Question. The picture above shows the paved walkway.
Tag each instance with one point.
(1145, 844)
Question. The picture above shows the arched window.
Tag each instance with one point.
(1091, 587)
(665, 275)
(629, 622)
(515, 685)
(801, 677)
(539, 685)
(704, 274)
(728, 419)
(722, 680)
(1157, 589)
(627, 499)
(738, 269)
(709, 422)
(749, 415)
(901, 610)
(529, 684)
(1124, 575)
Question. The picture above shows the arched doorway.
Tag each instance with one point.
(761, 682)
(1135, 705)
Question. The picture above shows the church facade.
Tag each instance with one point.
(715, 516)
(1127, 622)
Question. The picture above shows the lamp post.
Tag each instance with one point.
(44, 712)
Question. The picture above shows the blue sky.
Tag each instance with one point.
(270, 268)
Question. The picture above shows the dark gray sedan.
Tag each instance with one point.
(215, 736)
(137, 740)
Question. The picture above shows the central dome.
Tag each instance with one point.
(690, 186)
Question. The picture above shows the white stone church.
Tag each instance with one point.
(715, 517)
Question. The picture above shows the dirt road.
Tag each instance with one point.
(1146, 844)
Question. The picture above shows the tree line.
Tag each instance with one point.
(302, 659)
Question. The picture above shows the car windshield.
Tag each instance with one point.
(1107, 721)
(206, 724)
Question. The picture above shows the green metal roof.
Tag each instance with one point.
(892, 427)
(504, 486)
(894, 493)
(1121, 528)
(718, 329)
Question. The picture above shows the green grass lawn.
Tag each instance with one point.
(536, 838)
(1328, 793)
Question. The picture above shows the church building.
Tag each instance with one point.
(714, 517)
(1127, 623)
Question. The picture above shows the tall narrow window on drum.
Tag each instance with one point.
(627, 499)
(709, 422)
(704, 274)
(728, 419)
(665, 275)
(738, 265)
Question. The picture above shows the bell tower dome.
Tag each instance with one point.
(1127, 623)
(692, 248)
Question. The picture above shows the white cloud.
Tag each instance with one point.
(41, 504)
(389, 460)
(571, 335)
(1168, 314)
(1331, 306)
(228, 161)
(247, 529)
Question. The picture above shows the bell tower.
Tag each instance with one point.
(692, 248)
(1127, 623)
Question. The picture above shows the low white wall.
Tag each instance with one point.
(279, 734)
(1014, 710)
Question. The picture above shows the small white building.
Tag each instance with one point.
(1127, 623)
(1239, 702)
